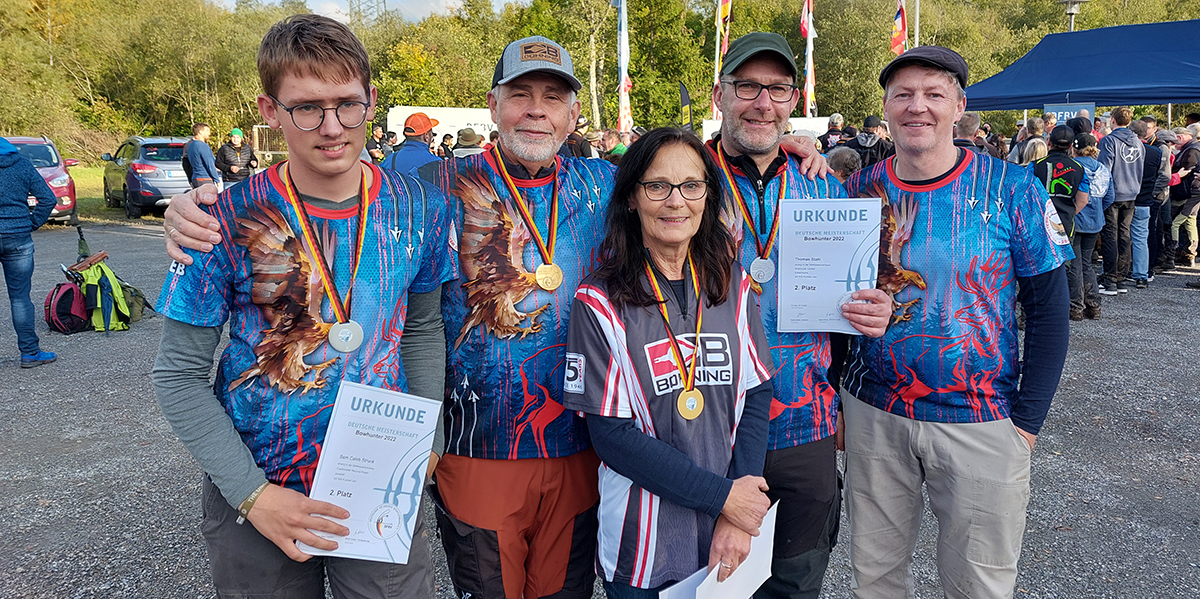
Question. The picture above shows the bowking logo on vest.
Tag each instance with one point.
(540, 51)
(715, 366)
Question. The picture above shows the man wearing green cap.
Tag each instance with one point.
(756, 94)
(235, 159)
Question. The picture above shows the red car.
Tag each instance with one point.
(46, 159)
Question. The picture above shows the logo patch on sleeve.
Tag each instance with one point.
(573, 379)
(1054, 225)
(540, 51)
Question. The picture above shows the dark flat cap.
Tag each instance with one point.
(931, 56)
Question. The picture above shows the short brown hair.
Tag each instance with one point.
(312, 45)
(1122, 116)
(198, 127)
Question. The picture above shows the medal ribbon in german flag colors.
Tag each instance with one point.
(341, 310)
(549, 276)
(764, 250)
(690, 401)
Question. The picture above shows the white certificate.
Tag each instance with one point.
(373, 465)
(746, 579)
(828, 249)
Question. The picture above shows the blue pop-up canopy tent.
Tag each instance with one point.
(1157, 63)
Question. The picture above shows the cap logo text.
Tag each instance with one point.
(541, 51)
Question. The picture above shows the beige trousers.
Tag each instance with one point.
(977, 478)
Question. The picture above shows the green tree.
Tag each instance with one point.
(408, 78)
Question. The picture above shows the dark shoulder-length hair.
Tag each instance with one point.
(623, 252)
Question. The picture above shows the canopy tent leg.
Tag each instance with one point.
(1168, 116)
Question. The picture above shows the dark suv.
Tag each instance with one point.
(50, 165)
(144, 173)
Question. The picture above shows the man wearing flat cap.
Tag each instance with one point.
(941, 401)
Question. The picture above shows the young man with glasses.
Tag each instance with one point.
(288, 280)
(757, 94)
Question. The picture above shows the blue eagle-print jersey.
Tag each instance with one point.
(949, 256)
(506, 337)
(804, 408)
(278, 377)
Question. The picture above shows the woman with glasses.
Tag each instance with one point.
(667, 359)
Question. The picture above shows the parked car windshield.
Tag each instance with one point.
(41, 155)
(163, 152)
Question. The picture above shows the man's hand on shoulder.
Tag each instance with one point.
(186, 225)
(812, 163)
(284, 516)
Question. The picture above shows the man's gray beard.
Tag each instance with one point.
(739, 137)
(531, 152)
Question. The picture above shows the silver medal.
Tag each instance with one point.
(762, 270)
(346, 336)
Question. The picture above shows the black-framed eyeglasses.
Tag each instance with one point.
(749, 90)
(309, 117)
(661, 190)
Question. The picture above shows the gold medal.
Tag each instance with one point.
(548, 276)
(691, 400)
(690, 403)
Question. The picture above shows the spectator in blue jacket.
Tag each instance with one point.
(200, 158)
(1089, 221)
(418, 134)
(18, 182)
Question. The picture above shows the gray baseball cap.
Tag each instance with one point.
(532, 55)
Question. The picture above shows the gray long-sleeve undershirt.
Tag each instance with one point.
(185, 392)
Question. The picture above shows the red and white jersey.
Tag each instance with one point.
(619, 363)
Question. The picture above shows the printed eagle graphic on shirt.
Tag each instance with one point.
(896, 229)
(289, 292)
(492, 244)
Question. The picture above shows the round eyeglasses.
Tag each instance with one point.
(661, 190)
(750, 90)
(309, 117)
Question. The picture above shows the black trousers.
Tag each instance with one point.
(805, 481)
(1116, 245)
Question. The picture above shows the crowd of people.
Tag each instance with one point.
(618, 398)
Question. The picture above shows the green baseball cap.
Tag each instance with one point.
(745, 47)
(237, 132)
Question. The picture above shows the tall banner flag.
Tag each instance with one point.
(722, 44)
(810, 79)
(685, 108)
(624, 111)
(900, 29)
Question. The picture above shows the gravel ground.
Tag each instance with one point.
(98, 499)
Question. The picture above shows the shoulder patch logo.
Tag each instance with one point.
(1054, 226)
(541, 51)
(573, 379)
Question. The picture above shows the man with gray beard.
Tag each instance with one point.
(757, 93)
